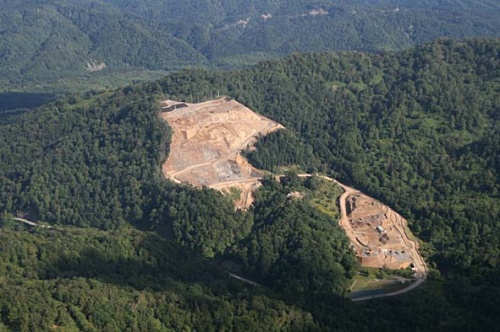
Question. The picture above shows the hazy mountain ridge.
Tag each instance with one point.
(418, 130)
(51, 40)
(46, 41)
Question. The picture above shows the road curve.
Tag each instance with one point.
(398, 292)
(419, 263)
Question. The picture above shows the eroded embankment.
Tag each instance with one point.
(207, 143)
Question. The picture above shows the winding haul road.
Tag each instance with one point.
(418, 262)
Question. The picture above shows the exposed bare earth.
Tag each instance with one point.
(206, 145)
(205, 151)
(378, 235)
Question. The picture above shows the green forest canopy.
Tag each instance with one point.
(418, 130)
(57, 45)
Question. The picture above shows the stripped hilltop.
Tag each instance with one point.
(418, 131)
(207, 142)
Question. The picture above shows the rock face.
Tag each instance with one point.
(207, 141)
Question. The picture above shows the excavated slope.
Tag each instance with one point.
(206, 145)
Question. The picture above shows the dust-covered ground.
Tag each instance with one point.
(207, 143)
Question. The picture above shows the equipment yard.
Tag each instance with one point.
(378, 235)
(207, 142)
(380, 238)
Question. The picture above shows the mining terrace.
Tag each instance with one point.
(207, 142)
(206, 150)
(379, 235)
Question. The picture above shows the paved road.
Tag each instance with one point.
(398, 292)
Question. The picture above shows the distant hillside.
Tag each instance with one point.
(50, 40)
(47, 42)
(419, 130)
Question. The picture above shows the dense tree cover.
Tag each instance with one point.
(418, 130)
(75, 161)
(203, 220)
(51, 40)
(88, 280)
(284, 148)
(292, 245)
(97, 163)
(126, 280)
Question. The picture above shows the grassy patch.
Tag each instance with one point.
(235, 193)
(391, 285)
(378, 279)
(409, 234)
(290, 168)
(376, 79)
(324, 197)
(335, 85)
(357, 86)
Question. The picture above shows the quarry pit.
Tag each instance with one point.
(207, 142)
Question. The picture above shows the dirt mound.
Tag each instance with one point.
(206, 145)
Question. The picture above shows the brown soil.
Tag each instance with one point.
(206, 145)
(377, 233)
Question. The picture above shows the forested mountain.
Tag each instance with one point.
(88, 280)
(418, 130)
(45, 42)
(49, 40)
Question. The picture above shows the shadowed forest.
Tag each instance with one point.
(417, 130)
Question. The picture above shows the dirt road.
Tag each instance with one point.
(419, 264)
(245, 280)
(31, 223)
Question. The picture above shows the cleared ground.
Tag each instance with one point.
(379, 235)
(206, 151)
(381, 239)
(206, 145)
